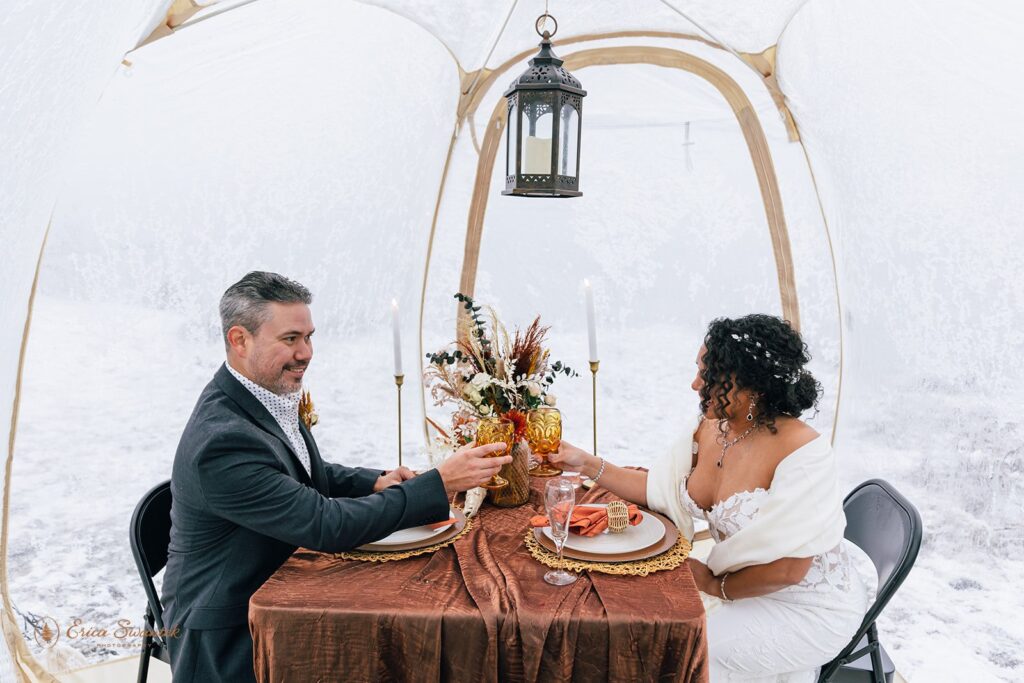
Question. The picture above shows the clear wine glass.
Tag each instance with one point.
(559, 499)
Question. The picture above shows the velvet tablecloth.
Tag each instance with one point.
(477, 610)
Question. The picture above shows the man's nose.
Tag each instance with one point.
(304, 351)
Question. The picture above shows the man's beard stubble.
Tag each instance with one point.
(273, 379)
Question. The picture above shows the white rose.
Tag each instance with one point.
(533, 388)
(550, 400)
(485, 410)
(481, 380)
(472, 394)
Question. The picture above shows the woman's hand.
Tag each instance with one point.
(702, 576)
(569, 456)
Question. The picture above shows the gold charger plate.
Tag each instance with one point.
(449, 533)
(665, 544)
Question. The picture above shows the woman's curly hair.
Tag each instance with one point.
(761, 353)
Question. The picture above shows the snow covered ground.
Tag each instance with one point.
(109, 387)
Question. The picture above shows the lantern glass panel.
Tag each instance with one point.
(569, 140)
(511, 141)
(537, 121)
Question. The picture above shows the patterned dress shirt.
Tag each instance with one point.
(284, 408)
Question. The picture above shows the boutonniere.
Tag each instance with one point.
(307, 413)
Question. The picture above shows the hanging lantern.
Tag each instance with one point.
(545, 116)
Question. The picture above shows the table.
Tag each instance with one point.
(477, 610)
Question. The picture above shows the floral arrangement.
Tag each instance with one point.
(488, 372)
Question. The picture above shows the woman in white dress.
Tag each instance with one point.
(785, 594)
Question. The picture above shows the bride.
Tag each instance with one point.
(787, 596)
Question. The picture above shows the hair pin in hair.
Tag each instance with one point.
(751, 346)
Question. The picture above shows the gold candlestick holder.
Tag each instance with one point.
(399, 379)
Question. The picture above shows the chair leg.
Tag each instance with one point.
(147, 652)
(876, 655)
(149, 625)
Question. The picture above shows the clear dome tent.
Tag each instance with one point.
(851, 166)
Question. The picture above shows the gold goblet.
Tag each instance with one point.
(495, 430)
(544, 433)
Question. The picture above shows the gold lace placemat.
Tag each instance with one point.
(668, 560)
(379, 556)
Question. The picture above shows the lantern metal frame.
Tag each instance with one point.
(547, 88)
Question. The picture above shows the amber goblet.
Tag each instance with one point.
(495, 430)
(544, 434)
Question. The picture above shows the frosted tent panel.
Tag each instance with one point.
(469, 27)
(918, 151)
(667, 251)
(262, 170)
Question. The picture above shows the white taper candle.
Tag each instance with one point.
(397, 337)
(591, 327)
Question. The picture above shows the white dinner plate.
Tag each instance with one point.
(649, 531)
(414, 534)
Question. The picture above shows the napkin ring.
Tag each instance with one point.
(618, 517)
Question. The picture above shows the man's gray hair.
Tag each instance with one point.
(245, 302)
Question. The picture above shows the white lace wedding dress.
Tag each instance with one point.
(785, 636)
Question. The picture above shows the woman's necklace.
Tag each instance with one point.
(729, 444)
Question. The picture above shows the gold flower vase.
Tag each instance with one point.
(517, 474)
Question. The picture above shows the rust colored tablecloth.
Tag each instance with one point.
(477, 610)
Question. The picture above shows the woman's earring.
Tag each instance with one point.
(750, 411)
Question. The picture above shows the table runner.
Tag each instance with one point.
(477, 610)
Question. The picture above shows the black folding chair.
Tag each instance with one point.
(887, 527)
(150, 535)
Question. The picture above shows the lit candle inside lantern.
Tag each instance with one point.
(537, 156)
(591, 327)
(397, 337)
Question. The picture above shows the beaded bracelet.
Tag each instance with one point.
(599, 472)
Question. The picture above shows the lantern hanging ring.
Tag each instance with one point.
(541, 22)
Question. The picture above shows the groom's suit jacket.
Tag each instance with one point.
(241, 504)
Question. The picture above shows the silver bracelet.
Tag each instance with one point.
(599, 472)
(722, 587)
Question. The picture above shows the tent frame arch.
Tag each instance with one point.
(476, 84)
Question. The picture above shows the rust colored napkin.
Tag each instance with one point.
(588, 520)
(438, 525)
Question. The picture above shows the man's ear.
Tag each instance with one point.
(238, 340)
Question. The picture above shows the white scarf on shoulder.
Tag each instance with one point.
(801, 515)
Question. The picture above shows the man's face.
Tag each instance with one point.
(277, 356)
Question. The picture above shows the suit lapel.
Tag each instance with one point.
(316, 463)
(261, 416)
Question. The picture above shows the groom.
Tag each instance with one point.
(249, 485)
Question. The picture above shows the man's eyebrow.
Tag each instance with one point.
(296, 333)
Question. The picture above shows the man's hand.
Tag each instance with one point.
(393, 477)
(470, 466)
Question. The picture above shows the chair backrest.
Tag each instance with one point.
(150, 536)
(887, 527)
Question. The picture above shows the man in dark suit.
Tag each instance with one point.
(249, 485)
